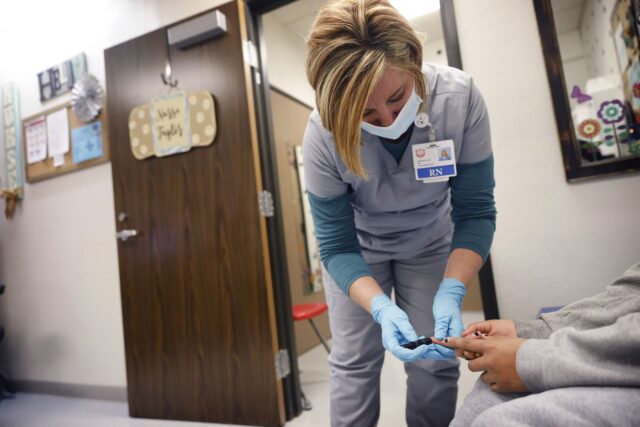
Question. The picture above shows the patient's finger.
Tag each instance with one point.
(470, 355)
(483, 327)
(472, 344)
(496, 387)
(488, 378)
(438, 341)
(466, 354)
(477, 365)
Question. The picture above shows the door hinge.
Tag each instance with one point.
(251, 54)
(283, 368)
(265, 202)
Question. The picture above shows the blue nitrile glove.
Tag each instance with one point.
(446, 312)
(397, 330)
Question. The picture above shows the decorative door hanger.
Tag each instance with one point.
(172, 124)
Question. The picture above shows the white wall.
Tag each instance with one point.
(555, 242)
(431, 49)
(58, 255)
(286, 54)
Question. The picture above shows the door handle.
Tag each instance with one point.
(124, 235)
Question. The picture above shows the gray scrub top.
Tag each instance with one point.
(397, 216)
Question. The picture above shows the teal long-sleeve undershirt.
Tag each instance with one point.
(473, 209)
(473, 214)
(337, 239)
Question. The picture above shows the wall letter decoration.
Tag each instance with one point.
(60, 78)
(13, 178)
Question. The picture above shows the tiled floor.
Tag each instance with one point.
(35, 410)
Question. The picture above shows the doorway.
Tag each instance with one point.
(280, 28)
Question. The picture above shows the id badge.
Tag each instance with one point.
(434, 161)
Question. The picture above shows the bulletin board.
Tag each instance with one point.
(45, 169)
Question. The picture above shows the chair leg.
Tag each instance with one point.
(313, 325)
(306, 403)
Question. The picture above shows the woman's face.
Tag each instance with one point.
(388, 97)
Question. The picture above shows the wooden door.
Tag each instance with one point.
(197, 302)
(289, 118)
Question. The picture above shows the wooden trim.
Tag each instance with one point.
(259, 185)
(291, 97)
(574, 171)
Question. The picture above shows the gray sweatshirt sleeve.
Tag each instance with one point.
(532, 329)
(592, 342)
(606, 356)
(619, 298)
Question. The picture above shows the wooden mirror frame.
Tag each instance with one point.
(574, 171)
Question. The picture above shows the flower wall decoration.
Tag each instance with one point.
(611, 112)
(589, 128)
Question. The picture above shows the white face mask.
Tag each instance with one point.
(400, 125)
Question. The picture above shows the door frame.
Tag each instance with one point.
(275, 228)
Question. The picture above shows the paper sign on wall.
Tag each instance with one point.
(58, 132)
(36, 140)
(87, 142)
(58, 160)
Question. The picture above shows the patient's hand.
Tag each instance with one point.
(497, 328)
(497, 359)
(500, 328)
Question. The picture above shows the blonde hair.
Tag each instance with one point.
(351, 44)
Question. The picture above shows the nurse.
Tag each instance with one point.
(390, 214)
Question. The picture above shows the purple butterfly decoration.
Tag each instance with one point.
(581, 97)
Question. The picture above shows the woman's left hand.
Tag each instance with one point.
(446, 311)
(497, 358)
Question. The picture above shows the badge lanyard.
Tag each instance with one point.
(421, 121)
